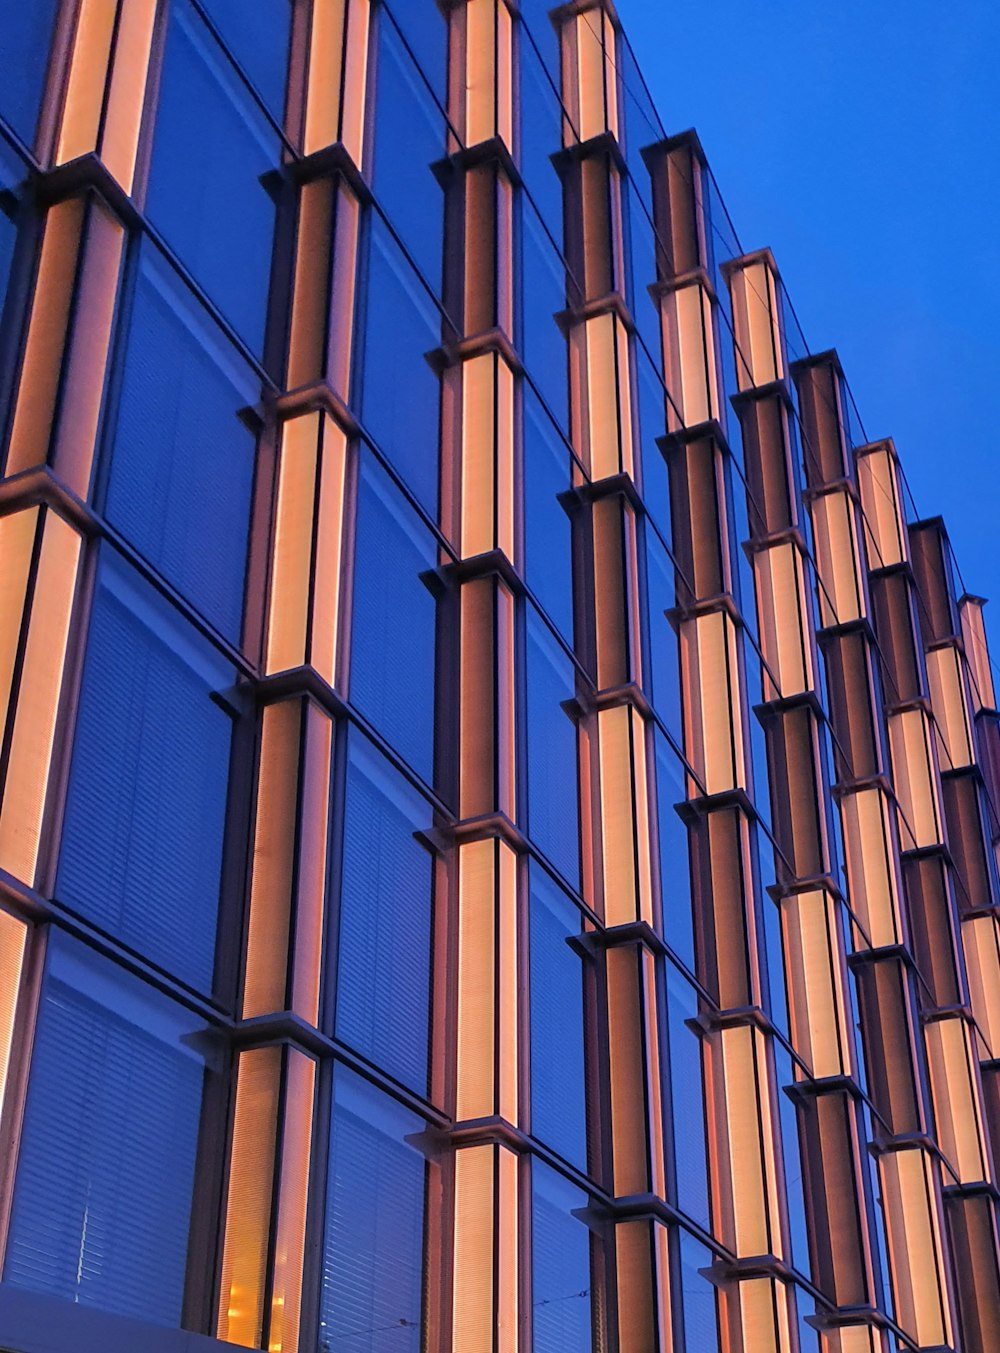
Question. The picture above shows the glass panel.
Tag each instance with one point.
(211, 147)
(410, 135)
(392, 683)
(400, 394)
(664, 665)
(258, 36)
(182, 465)
(675, 875)
(687, 1101)
(791, 1159)
(383, 990)
(426, 33)
(558, 1064)
(373, 1243)
(25, 37)
(701, 1324)
(542, 121)
(11, 173)
(560, 1267)
(145, 814)
(553, 816)
(105, 1176)
(548, 545)
(543, 296)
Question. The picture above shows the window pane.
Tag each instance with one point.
(543, 296)
(687, 1102)
(400, 394)
(182, 462)
(11, 174)
(258, 35)
(558, 1065)
(373, 1246)
(547, 530)
(410, 136)
(392, 683)
(211, 146)
(383, 992)
(426, 31)
(145, 815)
(675, 876)
(102, 1201)
(553, 819)
(25, 37)
(560, 1244)
(701, 1325)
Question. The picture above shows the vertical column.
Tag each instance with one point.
(747, 1186)
(828, 1097)
(302, 631)
(886, 974)
(480, 513)
(615, 726)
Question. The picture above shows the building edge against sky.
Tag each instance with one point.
(499, 820)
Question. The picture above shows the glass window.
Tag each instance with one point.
(542, 123)
(211, 147)
(548, 544)
(372, 1294)
(687, 1098)
(393, 634)
(400, 393)
(426, 32)
(105, 1176)
(182, 463)
(562, 1293)
(652, 404)
(701, 1323)
(663, 668)
(675, 874)
(410, 136)
(258, 36)
(25, 38)
(791, 1160)
(386, 908)
(145, 815)
(543, 296)
(558, 1062)
(553, 815)
(11, 173)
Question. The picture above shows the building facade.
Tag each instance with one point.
(499, 820)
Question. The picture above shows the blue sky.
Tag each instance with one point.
(860, 139)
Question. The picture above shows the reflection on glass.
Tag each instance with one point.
(372, 1294)
(145, 813)
(701, 1323)
(547, 531)
(543, 296)
(107, 1156)
(258, 36)
(675, 877)
(25, 37)
(383, 981)
(687, 1098)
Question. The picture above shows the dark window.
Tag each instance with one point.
(410, 136)
(105, 1173)
(393, 636)
(400, 393)
(558, 1065)
(258, 36)
(562, 1291)
(142, 837)
(548, 535)
(25, 38)
(11, 174)
(211, 146)
(373, 1245)
(383, 991)
(553, 818)
(182, 463)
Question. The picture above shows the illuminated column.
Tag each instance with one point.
(480, 514)
(757, 1303)
(827, 1095)
(615, 728)
(300, 632)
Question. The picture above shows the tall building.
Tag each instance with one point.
(499, 822)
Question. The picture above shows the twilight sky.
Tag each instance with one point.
(860, 139)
